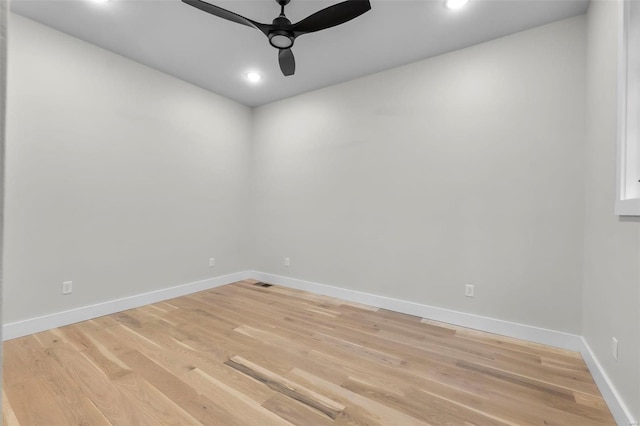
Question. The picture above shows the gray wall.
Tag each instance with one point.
(612, 245)
(462, 169)
(3, 88)
(120, 178)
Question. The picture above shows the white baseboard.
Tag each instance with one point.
(554, 338)
(619, 410)
(59, 319)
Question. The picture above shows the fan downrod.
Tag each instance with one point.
(281, 37)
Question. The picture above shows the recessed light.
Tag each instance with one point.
(455, 4)
(100, 1)
(254, 77)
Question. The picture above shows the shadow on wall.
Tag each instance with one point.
(630, 219)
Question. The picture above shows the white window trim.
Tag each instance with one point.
(628, 158)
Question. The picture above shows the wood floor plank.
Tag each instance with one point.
(383, 412)
(296, 412)
(197, 405)
(247, 409)
(287, 387)
(97, 387)
(155, 406)
(63, 392)
(244, 354)
(433, 410)
(47, 411)
(8, 415)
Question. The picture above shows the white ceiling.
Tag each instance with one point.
(216, 54)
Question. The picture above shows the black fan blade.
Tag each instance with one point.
(331, 16)
(287, 61)
(229, 16)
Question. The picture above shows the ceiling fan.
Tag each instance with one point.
(282, 33)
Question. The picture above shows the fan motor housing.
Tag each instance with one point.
(281, 39)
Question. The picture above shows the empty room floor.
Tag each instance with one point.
(244, 354)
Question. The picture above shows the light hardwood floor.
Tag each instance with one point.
(243, 354)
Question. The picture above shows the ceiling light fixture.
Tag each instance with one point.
(280, 39)
(455, 4)
(100, 1)
(254, 77)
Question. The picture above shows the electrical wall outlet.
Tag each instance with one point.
(67, 287)
(468, 290)
(212, 262)
(287, 262)
(614, 348)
